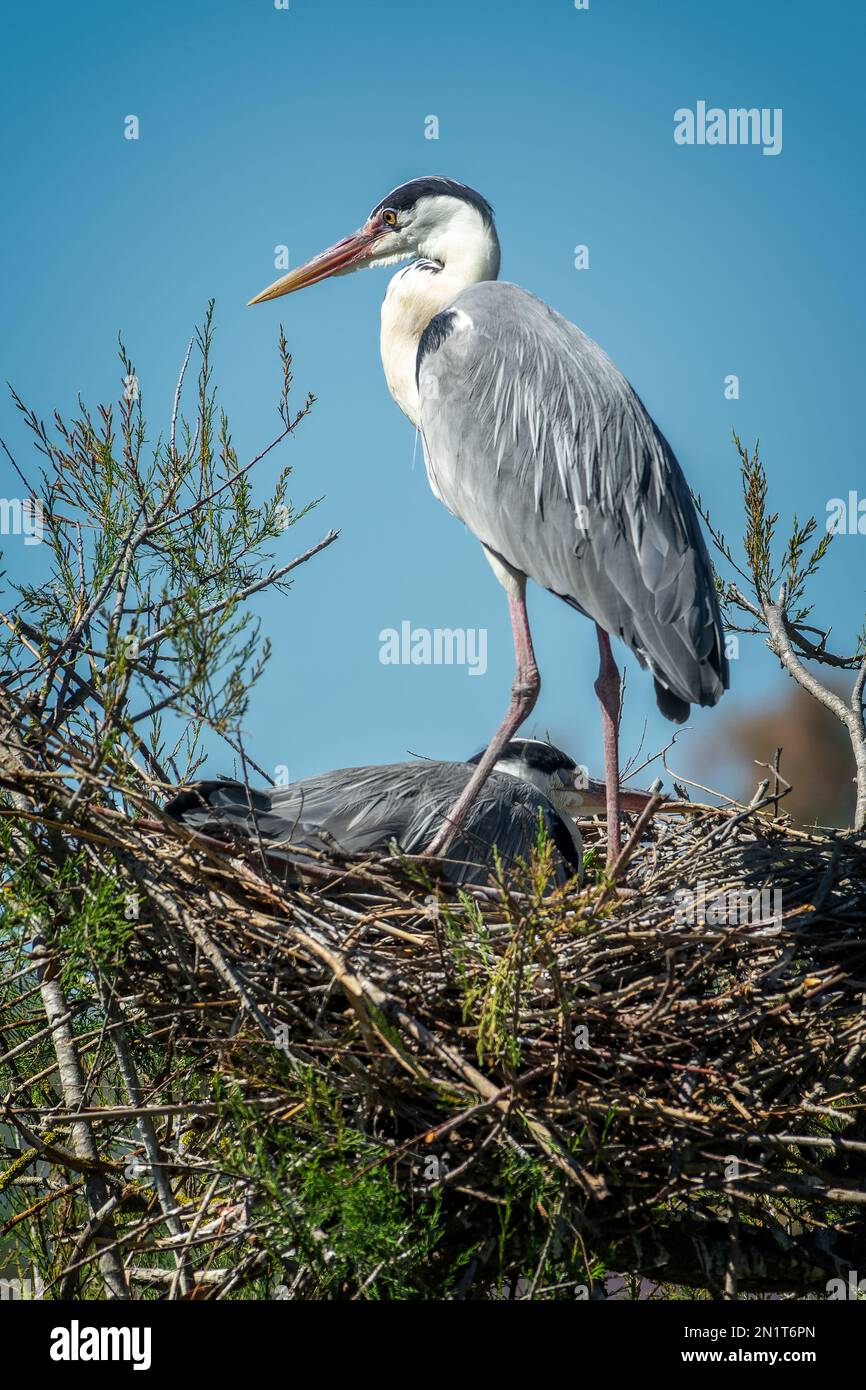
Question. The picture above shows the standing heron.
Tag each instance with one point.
(540, 445)
(359, 809)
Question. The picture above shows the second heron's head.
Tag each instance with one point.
(432, 218)
(563, 781)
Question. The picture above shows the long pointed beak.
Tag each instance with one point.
(594, 797)
(349, 254)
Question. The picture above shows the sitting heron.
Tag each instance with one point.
(540, 445)
(358, 809)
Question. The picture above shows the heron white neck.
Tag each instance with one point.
(462, 253)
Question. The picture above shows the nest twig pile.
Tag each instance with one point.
(353, 1080)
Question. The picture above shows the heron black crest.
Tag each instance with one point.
(406, 195)
(536, 754)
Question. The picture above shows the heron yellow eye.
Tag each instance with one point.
(390, 217)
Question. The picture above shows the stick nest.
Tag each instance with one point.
(367, 1083)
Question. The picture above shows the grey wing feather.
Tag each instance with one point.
(367, 808)
(354, 808)
(535, 439)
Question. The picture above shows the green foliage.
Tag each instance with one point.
(769, 597)
(794, 565)
(150, 549)
(331, 1212)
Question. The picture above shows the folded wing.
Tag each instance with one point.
(538, 443)
(360, 809)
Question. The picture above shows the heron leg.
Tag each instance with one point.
(607, 688)
(524, 693)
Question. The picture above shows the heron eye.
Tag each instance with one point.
(390, 217)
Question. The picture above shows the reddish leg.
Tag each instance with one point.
(607, 689)
(524, 694)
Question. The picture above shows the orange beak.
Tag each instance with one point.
(349, 254)
(594, 796)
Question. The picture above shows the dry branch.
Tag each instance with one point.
(645, 1073)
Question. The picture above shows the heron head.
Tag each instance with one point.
(428, 217)
(563, 781)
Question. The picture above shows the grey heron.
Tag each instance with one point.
(357, 809)
(538, 443)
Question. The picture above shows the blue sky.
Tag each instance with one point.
(261, 127)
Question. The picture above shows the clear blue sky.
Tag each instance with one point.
(261, 127)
